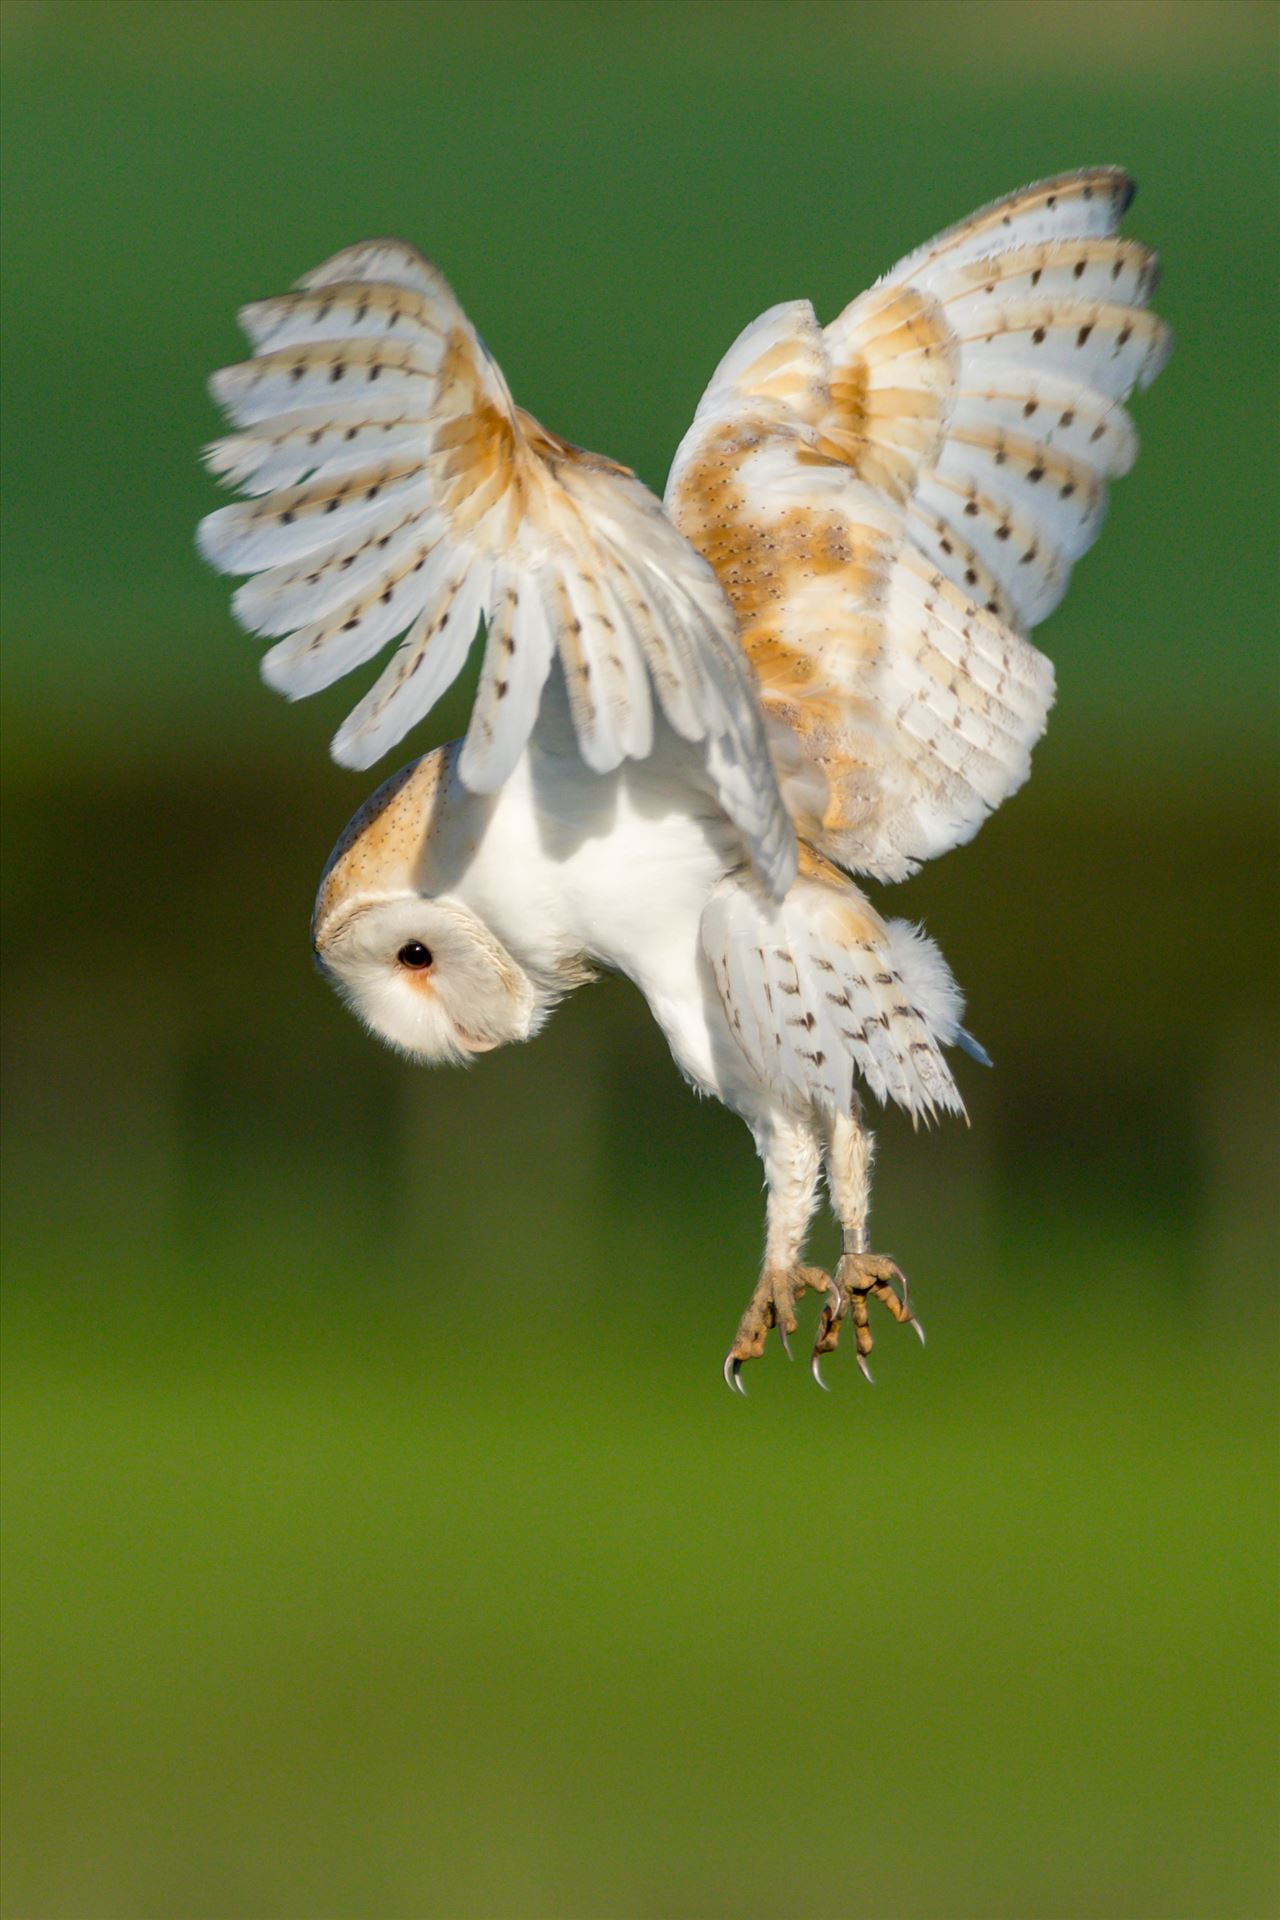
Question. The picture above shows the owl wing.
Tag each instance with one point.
(893, 502)
(396, 491)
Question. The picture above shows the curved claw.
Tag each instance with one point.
(785, 1338)
(919, 1331)
(815, 1368)
(733, 1374)
(865, 1370)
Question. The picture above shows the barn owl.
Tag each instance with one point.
(698, 722)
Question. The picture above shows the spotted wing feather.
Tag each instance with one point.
(894, 501)
(397, 493)
(1044, 307)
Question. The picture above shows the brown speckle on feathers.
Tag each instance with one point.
(1031, 312)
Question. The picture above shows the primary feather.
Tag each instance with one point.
(894, 501)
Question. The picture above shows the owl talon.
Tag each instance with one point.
(733, 1375)
(773, 1304)
(857, 1278)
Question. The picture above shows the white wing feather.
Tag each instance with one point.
(396, 490)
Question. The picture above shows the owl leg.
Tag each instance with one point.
(791, 1158)
(860, 1274)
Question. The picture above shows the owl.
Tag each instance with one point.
(698, 722)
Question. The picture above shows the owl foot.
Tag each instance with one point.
(858, 1276)
(773, 1304)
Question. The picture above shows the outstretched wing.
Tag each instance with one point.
(894, 502)
(396, 491)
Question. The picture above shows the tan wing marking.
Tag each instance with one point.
(398, 494)
(893, 370)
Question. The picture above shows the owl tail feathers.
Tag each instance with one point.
(932, 987)
(821, 994)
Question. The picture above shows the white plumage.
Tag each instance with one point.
(694, 722)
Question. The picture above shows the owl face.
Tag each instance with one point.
(426, 976)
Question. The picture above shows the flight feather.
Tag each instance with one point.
(397, 493)
(894, 501)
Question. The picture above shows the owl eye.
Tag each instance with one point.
(414, 954)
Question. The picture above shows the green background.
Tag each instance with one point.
(380, 1539)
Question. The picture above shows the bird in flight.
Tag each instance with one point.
(697, 720)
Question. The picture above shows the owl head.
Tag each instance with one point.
(421, 971)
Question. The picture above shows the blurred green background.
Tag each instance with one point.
(381, 1542)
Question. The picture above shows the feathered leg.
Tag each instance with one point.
(791, 1156)
(861, 1273)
